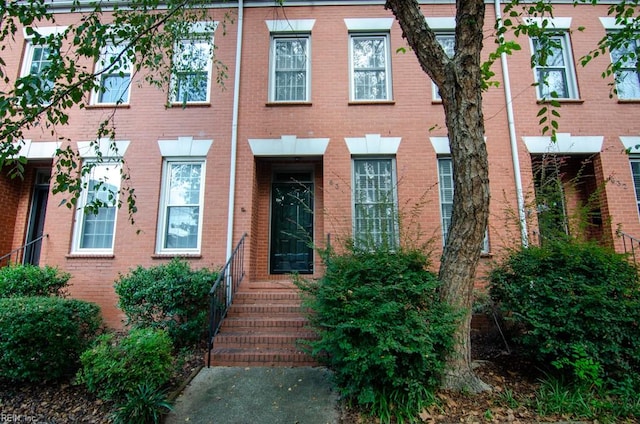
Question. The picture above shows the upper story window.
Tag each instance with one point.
(625, 60)
(554, 71)
(370, 67)
(375, 202)
(94, 230)
(448, 43)
(289, 74)
(192, 66)
(37, 61)
(114, 76)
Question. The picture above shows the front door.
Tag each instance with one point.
(36, 218)
(292, 223)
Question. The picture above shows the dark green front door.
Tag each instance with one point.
(291, 224)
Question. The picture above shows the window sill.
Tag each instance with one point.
(276, 104)
(176, 255)
(566, 101)
(628, 101)
(436, 101)
(371, 102)
(80, 255)
(188, 105)
(108, 106)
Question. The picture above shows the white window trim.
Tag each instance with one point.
(288, 146)
(80, 215)
(99, 66)
(630, 143)
(567, 52)
(290, 25)
(388, 75)
(394, 190)
(635, 159)
(373, 144)
(200, 31)
(272, 66)
(368, 24)
(565, 144)
(162, 212)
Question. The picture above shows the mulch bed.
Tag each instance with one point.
(68, 403)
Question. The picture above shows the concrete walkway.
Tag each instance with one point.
(257, 395)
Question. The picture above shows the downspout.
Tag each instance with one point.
(234, 133)
(512, 136)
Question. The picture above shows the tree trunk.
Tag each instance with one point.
(460, 82)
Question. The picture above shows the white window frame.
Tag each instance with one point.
(353, 37)
(163, 218)
(568, 68)
(202, 36)
(636, 178)
(30, 51)
(122, 70)
(440, 36)
(273, 70)
(446, 190)
(628, 67)
(377, 233)
(82, 217)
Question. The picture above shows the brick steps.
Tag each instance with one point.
(263, 328)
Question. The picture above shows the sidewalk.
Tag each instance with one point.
(257, 395)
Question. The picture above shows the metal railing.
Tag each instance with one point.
(223, 290)
(630, 243)
(24, 254)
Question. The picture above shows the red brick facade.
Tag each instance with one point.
(411, 115)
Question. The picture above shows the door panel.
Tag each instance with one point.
(291, 228)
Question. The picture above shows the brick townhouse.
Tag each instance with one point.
(326, 126)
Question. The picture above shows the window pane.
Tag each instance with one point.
(116, 76)
(182, 206)
(191, 87)
(627, 77)
(290, 69)
(552, 72)
(182, 227)
(97, 230)
(369, 61)
(116, 89)
(184, 184)
(374, 203)
(192, 64)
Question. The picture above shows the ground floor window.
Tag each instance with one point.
(375, 205)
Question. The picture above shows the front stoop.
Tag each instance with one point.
(263, 327)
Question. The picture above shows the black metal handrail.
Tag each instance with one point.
(223, 290)
(633, 242)
(19, 252)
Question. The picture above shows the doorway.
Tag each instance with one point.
(291, 248)
(35, 228)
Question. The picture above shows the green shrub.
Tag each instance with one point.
(381, 329)
(172, 297)
(114, 368)
(30, 280)
(41, 338)
(145, 405)
(576, 306)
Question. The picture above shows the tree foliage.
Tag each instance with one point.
(144, 32)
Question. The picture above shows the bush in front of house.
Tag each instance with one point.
(31, 280)
(382, 329)
(171, 296)
(41, 338)
(576, 306)
(115, 368)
